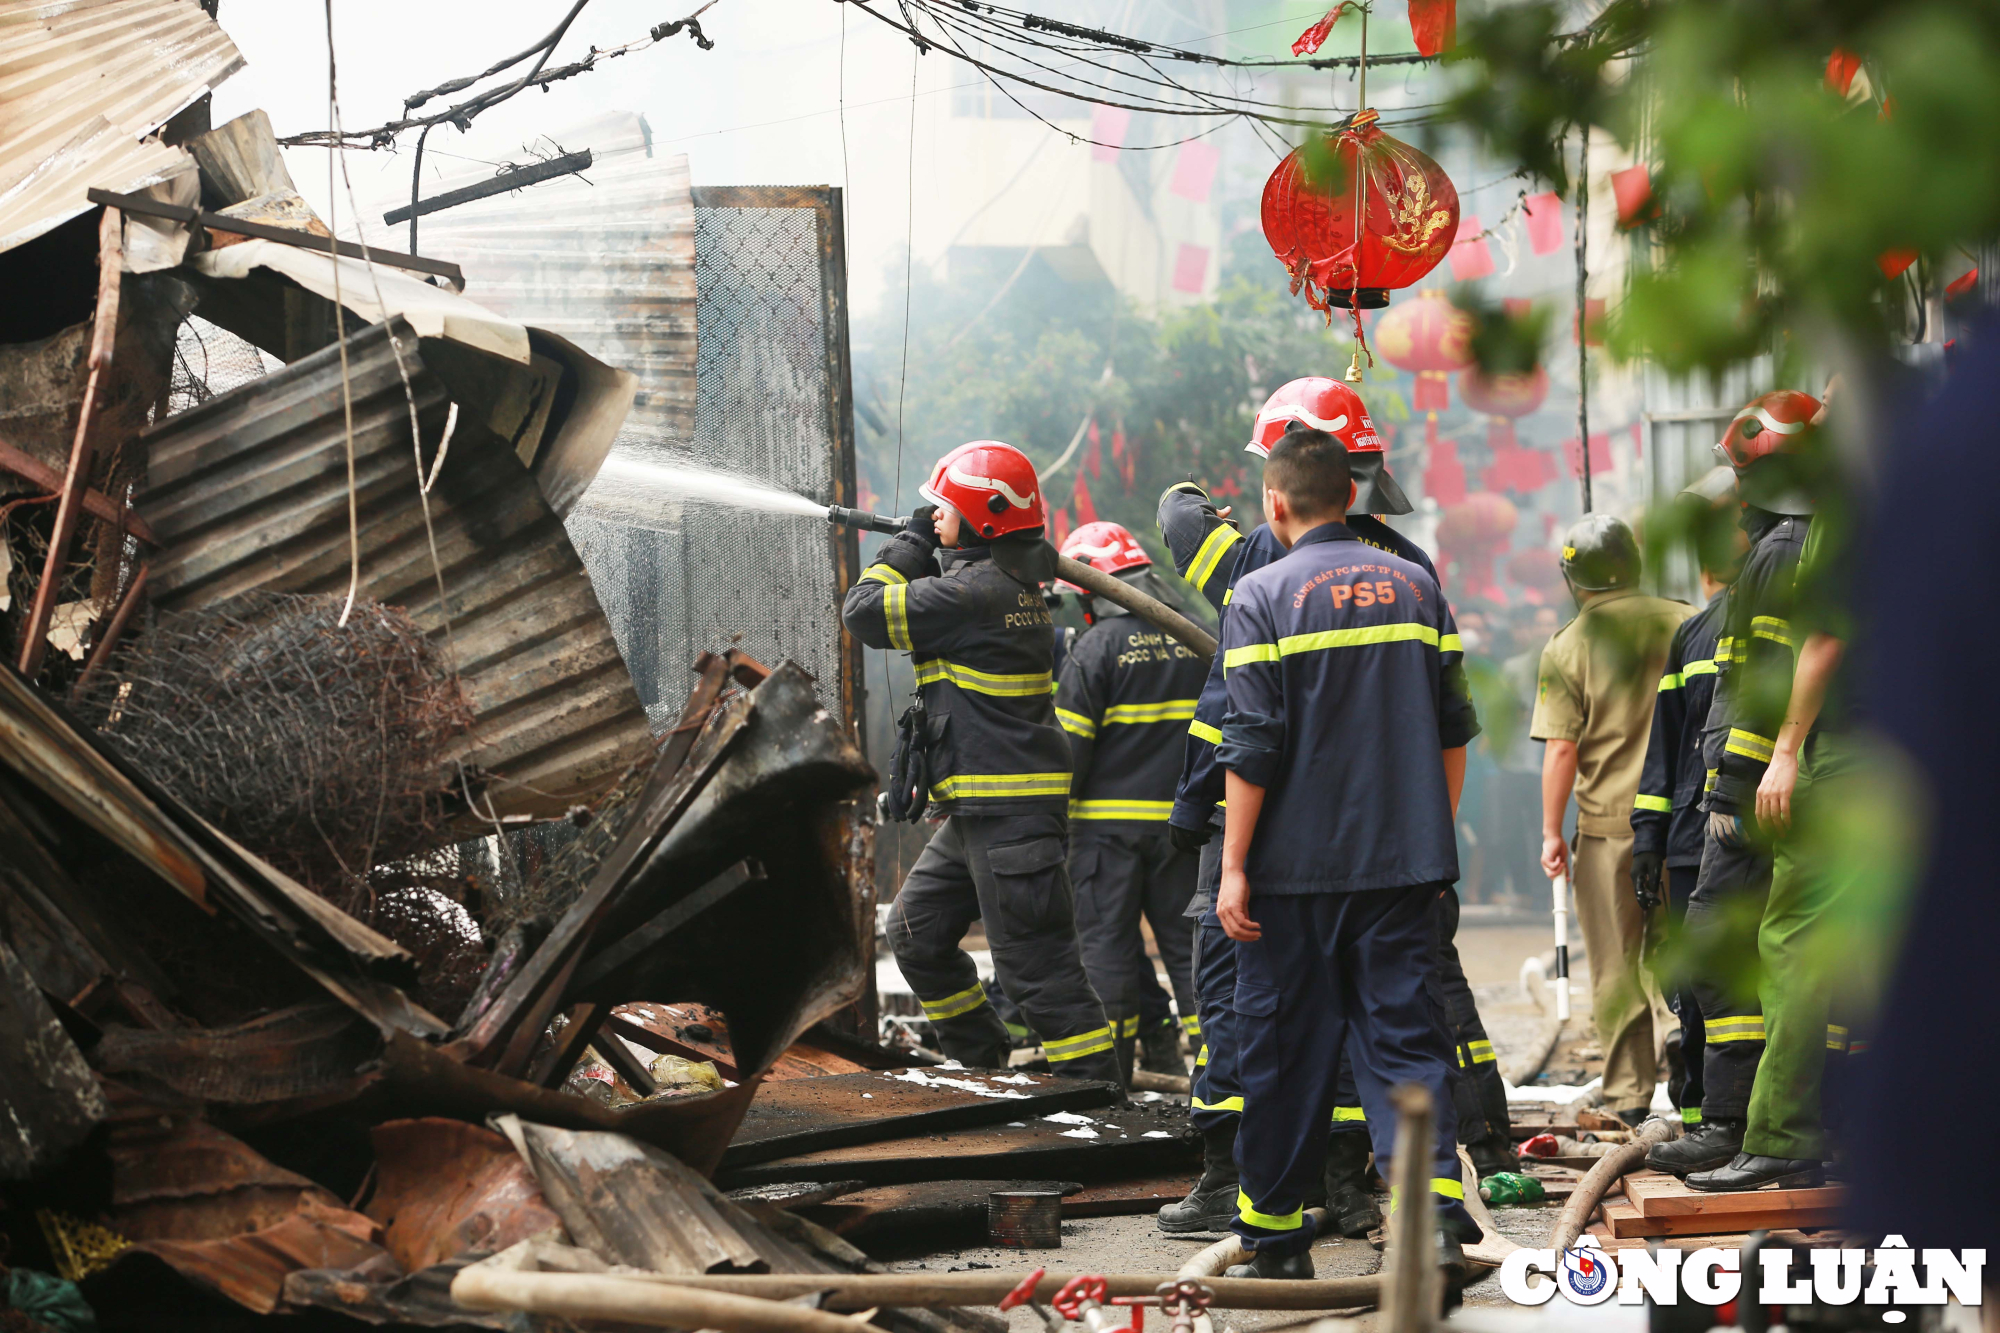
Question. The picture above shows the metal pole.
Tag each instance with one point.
(1582, 305)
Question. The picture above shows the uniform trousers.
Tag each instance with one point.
(1217, 1091)
(1011, 871)
(1723, 915)
(1681, 998)
(1120, 877)
(1798, 975)
(1478, 1090)
(1626, 1006)
(1331, 966)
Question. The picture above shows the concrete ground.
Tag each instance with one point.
(1492, 951)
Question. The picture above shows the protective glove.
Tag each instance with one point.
(1647, 868)
(1189, 839)
(1727, 830)
(1208, 506)
(922, 524)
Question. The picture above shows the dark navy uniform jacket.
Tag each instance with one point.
(982, 646)
(1666, 814)
(1126, 695)
(1754, 658)
(1210, 554)
(1335, 663)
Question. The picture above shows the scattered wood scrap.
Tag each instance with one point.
(1658, 1204)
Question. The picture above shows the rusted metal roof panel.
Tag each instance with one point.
(81, 83)
(250, 491)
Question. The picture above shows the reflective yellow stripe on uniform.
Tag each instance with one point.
(1836, 1037)
(1226, 1104)
(951, 1006)
(1227, 593)
(1166, 710)
(1749, 1027)
(1127, 1027)
(1690, 1115)
(1482, 1052)
(896, 610)
(1076, 724)
(1202, 731)
(1348, 1114)
(1708, 783)
(1700, 667)
(1451, 643)
(1246, 1210)
(1725, 648)
(1750, 745)
(1671, 681)
(1002, 686)
(1663, 804)
(1120, 809)
(1445, 1185)
(962, 785)
(882, 574)
(1774, 628)
(1087, 1043)
(1326, 639)
(1202, 1058)
(1209, 554)
(1192, 1025)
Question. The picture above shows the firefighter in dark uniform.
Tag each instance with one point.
(1344, 747)
(984, 747)
(1125, 696)
(1754, 660)
(1668, 826)
(1211, 554)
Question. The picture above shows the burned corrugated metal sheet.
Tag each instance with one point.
(444, 1188)
(249, 491)
(46, 1090)
(81, 81)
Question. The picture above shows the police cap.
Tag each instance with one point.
(1600, 553)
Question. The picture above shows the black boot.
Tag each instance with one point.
(1160, 1050)
(1714, 1143)
(1350, 1205)
(1493, 1154)
(1753, 1173)
(1677, 1070)
(1211, 1206)
(1124, 1048)
(1298, 1267)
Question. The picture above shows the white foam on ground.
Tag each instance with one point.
(977, 1087)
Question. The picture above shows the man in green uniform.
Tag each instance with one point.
(1594, 707)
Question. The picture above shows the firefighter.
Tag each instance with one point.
(959, 590)
(1126, 695)
(1667, 822)
(1344, 751)
(1754, 659)
(1212, 554)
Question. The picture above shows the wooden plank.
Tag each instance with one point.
(807, 1115)
(1129, 1198)
(1657, 1194)
(1105, 1143)
(1626, 1220)
(1797, 1240)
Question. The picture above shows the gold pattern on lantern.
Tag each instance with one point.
(1415, 213)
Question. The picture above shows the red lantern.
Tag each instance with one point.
(1430, 337)
(1471, 535)
(1505, 399)
(1410, 217)
(1539, 572)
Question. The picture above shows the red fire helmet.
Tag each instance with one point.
(1328, 405)
(1106, 546)
(991, 485)
(1776, 424)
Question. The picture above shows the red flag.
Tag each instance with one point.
(1093, 457)
(1086, 512)
(1060, 525)
(1841, 67)
(1961, 284)
(1444, 479)
(1314, 37)
(1522, 471)
(1633, 189)
(1434, 24)
(1545, 222)
(1470, 256)
(1893, 262)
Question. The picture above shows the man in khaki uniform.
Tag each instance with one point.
(1594, 708)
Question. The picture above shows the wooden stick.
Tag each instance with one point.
(1412, 1294)
(110, 266)
(100, 652)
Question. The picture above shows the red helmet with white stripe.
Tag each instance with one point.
(1329, 405)
(991, 485)
(1776, 424)
(1106, 546)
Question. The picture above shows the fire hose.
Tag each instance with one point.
(1096, 582)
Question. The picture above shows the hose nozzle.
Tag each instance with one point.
(841, 516)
